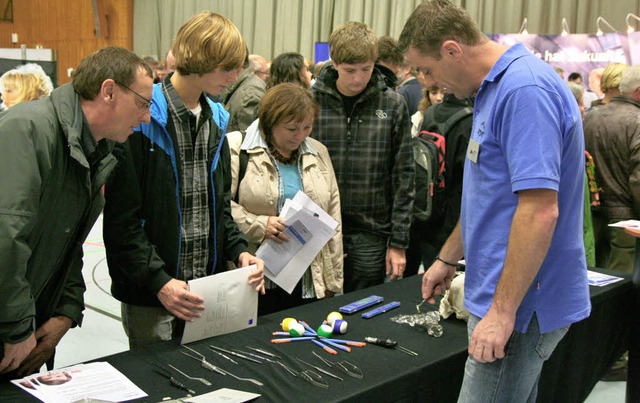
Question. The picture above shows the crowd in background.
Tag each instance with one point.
(224, 137)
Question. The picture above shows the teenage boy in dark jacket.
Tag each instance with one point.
(55, 155)
(366, 127)
(168, 214)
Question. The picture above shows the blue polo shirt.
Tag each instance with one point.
(529, 131)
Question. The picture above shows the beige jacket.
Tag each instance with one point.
(259, 198)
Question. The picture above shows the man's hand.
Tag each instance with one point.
(256, 277)
(176, 297)
(396, 262)
(14, 354)
(491, 336)
(47, 337)
(436, 280)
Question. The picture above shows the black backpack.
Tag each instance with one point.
(242, 169)
(429, 154)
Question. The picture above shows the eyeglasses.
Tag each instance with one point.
(147, 101)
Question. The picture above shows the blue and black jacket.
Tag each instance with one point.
(142, 218)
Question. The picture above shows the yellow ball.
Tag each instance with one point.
(333, 316)
(287, 322)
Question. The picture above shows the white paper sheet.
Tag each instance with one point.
(225, 395)
(277, 255)
(97, 380)
(626, 224)
(231, 304)
(601, 279)
(323, 227)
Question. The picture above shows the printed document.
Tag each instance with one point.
(311, 228)
(231, 304)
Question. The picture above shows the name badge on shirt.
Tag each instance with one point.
(473, 150)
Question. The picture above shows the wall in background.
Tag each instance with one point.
(68, 28)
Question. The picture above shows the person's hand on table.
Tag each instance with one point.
(15, 354)
(47, 338)
(436, 280)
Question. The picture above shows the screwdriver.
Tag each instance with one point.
(173, 380)
(388, 343)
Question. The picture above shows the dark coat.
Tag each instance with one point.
(48, 204)
(142, 215)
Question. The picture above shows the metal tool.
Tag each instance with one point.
(406, 351)
(254, 381)
(194, 378)
(289, 370)
(263, 352)
(203, 361)
(254, 355)
(388, 343)
(320, 369)
(165, 373)
(420, 305)
(211, 367)
(345, 366)
(235, 354)
(314, 378)
(226, 357)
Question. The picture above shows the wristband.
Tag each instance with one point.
(447, 263)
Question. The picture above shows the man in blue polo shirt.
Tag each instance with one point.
(520, 229)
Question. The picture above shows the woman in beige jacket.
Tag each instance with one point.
(283, 159)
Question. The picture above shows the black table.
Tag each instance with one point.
(436, 374)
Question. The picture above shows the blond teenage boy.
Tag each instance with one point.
(168, 218)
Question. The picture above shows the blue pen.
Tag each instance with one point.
(308, 327)
(290, 339)
(324, 347)
(336, 345)
(348, 342)
(289, 334)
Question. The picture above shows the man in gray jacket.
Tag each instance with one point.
(241, 100)
(612, 134)
(55, 155)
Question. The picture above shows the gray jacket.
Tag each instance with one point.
(612, 134)
(242, 100)
(48, 204)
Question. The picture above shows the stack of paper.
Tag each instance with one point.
(309, 228)
(98, 380)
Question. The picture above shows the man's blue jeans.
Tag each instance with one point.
(515, 377)
(365, 264)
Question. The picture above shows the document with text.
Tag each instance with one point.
(231, 304)
(309, 228)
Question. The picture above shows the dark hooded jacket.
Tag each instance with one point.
(372, 155)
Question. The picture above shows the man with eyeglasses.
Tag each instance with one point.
(55, 155)
(168, 214)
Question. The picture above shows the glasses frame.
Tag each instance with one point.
(147, 101)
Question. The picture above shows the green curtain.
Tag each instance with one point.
(271, 27)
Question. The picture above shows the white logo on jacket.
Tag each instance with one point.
(381, 114)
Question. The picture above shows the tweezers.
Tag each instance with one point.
(235, 354)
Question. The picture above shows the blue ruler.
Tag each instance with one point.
(381, 309)
(360, 304)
